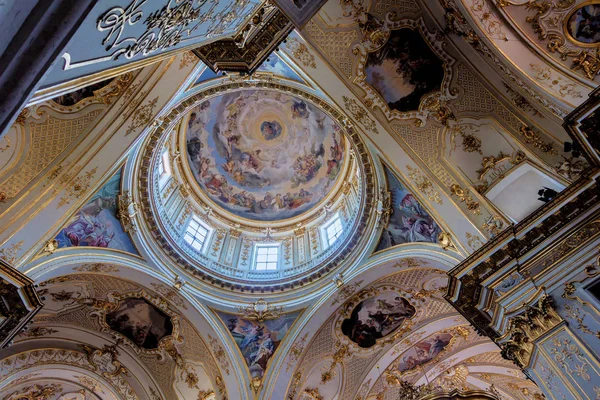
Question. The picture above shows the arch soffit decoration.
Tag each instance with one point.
(210, 329)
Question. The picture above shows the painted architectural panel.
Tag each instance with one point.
(96, 224)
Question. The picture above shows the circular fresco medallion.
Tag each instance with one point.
(583, 25)
(264, 155)
(376, 317)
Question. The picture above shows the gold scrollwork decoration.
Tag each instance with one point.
(470, 142)
(105, 359)
(342, 351)
(533, 138)
(535, 320)
(260, 311)
(126, 211)
(301, 53)
(360, 114)
(424, 184)
(465, 197)
(586, 61)
(142, 116)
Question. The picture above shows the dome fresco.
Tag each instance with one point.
(264, 155)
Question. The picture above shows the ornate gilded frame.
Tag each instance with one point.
(113, 300)
(566, 28)
(374, 100)
(346, 309)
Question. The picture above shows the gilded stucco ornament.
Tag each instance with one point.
(384, 208)
(50, 247)
(105, 359)
(37, 392)
(342, 351)
(493, 225)
(570, 168)
(127, 209)
(470, 143)
(9, 253)
(521, 102)
(375, 32)
(457, 24)
(445, 240)
(360, 114)
(532, 322)
(562, 42)
(75, 186)
(424, 185)
(533, 138)
(301, 53)
(260, 311)
(313, 393)
(296, 351)
(142, 116)
(465, 197)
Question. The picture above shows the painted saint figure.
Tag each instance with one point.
(270, 130)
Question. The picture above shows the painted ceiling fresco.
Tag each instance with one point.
(96, 224)
(409, 221)
(72, 98)
(377, 317)
(264, 155)
(404, 70)
(258, 341)
(583, 25)
(141, 322)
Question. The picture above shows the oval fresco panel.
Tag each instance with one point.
(377, 317)
(264, 155)
(583, 25)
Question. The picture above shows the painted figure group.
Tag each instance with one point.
(372, 319)
(255, 342)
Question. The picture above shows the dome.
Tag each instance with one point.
(263, 155)
(257, 186)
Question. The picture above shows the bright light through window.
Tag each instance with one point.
(333, 231)
(195, 234)
(266, 257)
(163, 166)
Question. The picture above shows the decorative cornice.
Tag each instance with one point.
(20, 302)
(523, 240)
(532, 322)
(246, 52)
